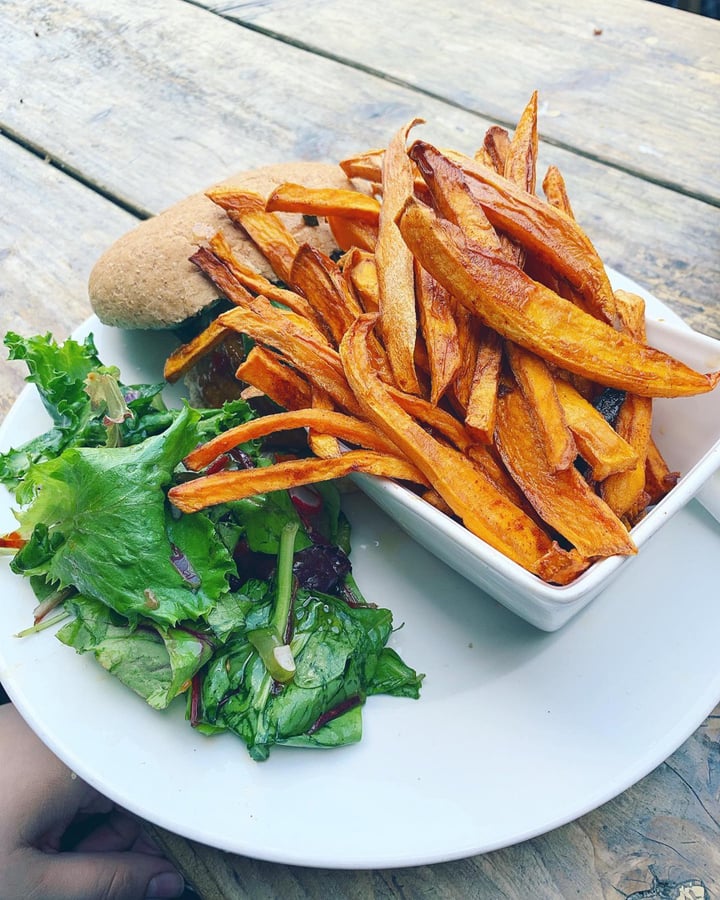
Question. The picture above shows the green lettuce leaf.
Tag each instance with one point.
(157, 663)
(99, 522)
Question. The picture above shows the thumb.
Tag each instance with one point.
(113, 876)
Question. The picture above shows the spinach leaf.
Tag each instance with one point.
(338, 650)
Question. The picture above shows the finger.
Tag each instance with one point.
(117, 832)
(113, 876)
(52, 797)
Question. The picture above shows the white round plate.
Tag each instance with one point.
(517, 730)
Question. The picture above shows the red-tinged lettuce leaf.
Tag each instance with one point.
(102, 514)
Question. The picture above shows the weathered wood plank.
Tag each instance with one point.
(51, 231)
(93, 92)
(609, 73)
(249, 101)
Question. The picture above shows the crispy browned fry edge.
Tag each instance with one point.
(435, 417)
(451, 195)
(223, 275)
(482, 403)
(484, 510)
(226, 486)
(495, 148)
(266, 230)
(439, 329)
(659, 480)
(521, 156)
(320, 281)
(556, 191)
(347, 428)
(562, 498)
(523, 310)
(184, 357)
(624, 492)
(542, 229)
(254, 281)
(341, 202)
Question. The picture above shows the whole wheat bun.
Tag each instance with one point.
(145, 280)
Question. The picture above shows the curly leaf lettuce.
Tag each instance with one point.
(60, 372)
(97, 519)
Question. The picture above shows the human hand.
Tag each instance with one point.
(45, 808)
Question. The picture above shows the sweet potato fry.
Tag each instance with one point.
(254, 281)
(597, 442)
(366, 166)
(562, 498)
(320, 281)
(556, 192)
(476, 384)
(482, 401)
(624, 491)
(360, 272)
(439, 330)
(535, 317)
(349, 234)
(13, 540)
(495, 148)
(521, 155)
(265, 229)
(308, 352)
(551, 235)
(346, 204)
(223, 276)
(325, 421)
(395, 267)
(463, 486)
(227, 486)
(452, 196)
(538, 387)
(326, 446)
(282, 384)
(434, 417)
(659, 479)
(184, 358)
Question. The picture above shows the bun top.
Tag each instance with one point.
(145, 279)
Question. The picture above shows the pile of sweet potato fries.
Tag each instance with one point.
(465, 343)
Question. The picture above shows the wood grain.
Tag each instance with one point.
(52, 229)
(139, 104)
(94, 94)
(609, 73)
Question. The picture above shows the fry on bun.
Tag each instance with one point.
(146, 280)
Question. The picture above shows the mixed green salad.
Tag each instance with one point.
(249, 610)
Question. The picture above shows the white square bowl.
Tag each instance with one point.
(687, 432)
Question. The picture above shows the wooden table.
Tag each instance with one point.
(111, 112)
